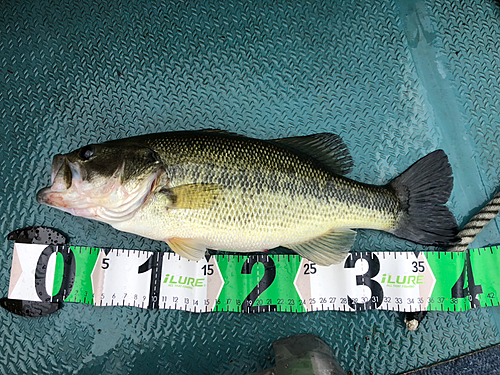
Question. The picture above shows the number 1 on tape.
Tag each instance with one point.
(256, 283)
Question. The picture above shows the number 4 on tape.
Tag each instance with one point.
(257, 283)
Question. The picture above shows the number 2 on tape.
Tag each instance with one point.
(264, 283)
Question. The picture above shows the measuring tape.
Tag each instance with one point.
(407, 281)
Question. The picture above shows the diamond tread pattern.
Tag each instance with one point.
(79, 72)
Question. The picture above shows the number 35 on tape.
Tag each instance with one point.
(257, 283)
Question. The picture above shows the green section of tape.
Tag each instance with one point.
(485, 267)
(85, 260)
(238, 284)
(58, 274)
(447, 269)
(465, 280)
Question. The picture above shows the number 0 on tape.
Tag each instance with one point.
(257, 283)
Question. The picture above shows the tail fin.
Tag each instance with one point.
(423, 190)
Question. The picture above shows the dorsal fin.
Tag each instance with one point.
(220, 131)
(326, 148)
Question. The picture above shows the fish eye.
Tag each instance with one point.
(86, 152)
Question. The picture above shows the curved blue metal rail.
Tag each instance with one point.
(396, 79)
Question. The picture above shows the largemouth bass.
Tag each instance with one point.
(201, 190)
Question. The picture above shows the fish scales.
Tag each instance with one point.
(217, 190)
(269, 193)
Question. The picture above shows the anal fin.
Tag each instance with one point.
(187, 248)
(330, 248)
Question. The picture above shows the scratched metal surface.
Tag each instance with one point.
(396, 79)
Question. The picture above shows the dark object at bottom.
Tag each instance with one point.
(303, 354)
(485, 361)
(413, 319)
(34, 235)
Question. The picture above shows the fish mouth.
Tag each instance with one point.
(61, 179)
(57, 163)
(44, 197)
(108, 200)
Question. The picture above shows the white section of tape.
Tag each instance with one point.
(22, 282)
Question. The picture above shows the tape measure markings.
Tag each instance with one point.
(258, 283)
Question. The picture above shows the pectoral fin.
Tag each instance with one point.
(331, 248)
(187, 248)
(191, 196)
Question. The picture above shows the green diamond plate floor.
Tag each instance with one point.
(396, 79)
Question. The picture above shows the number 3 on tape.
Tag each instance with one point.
(257, 283)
